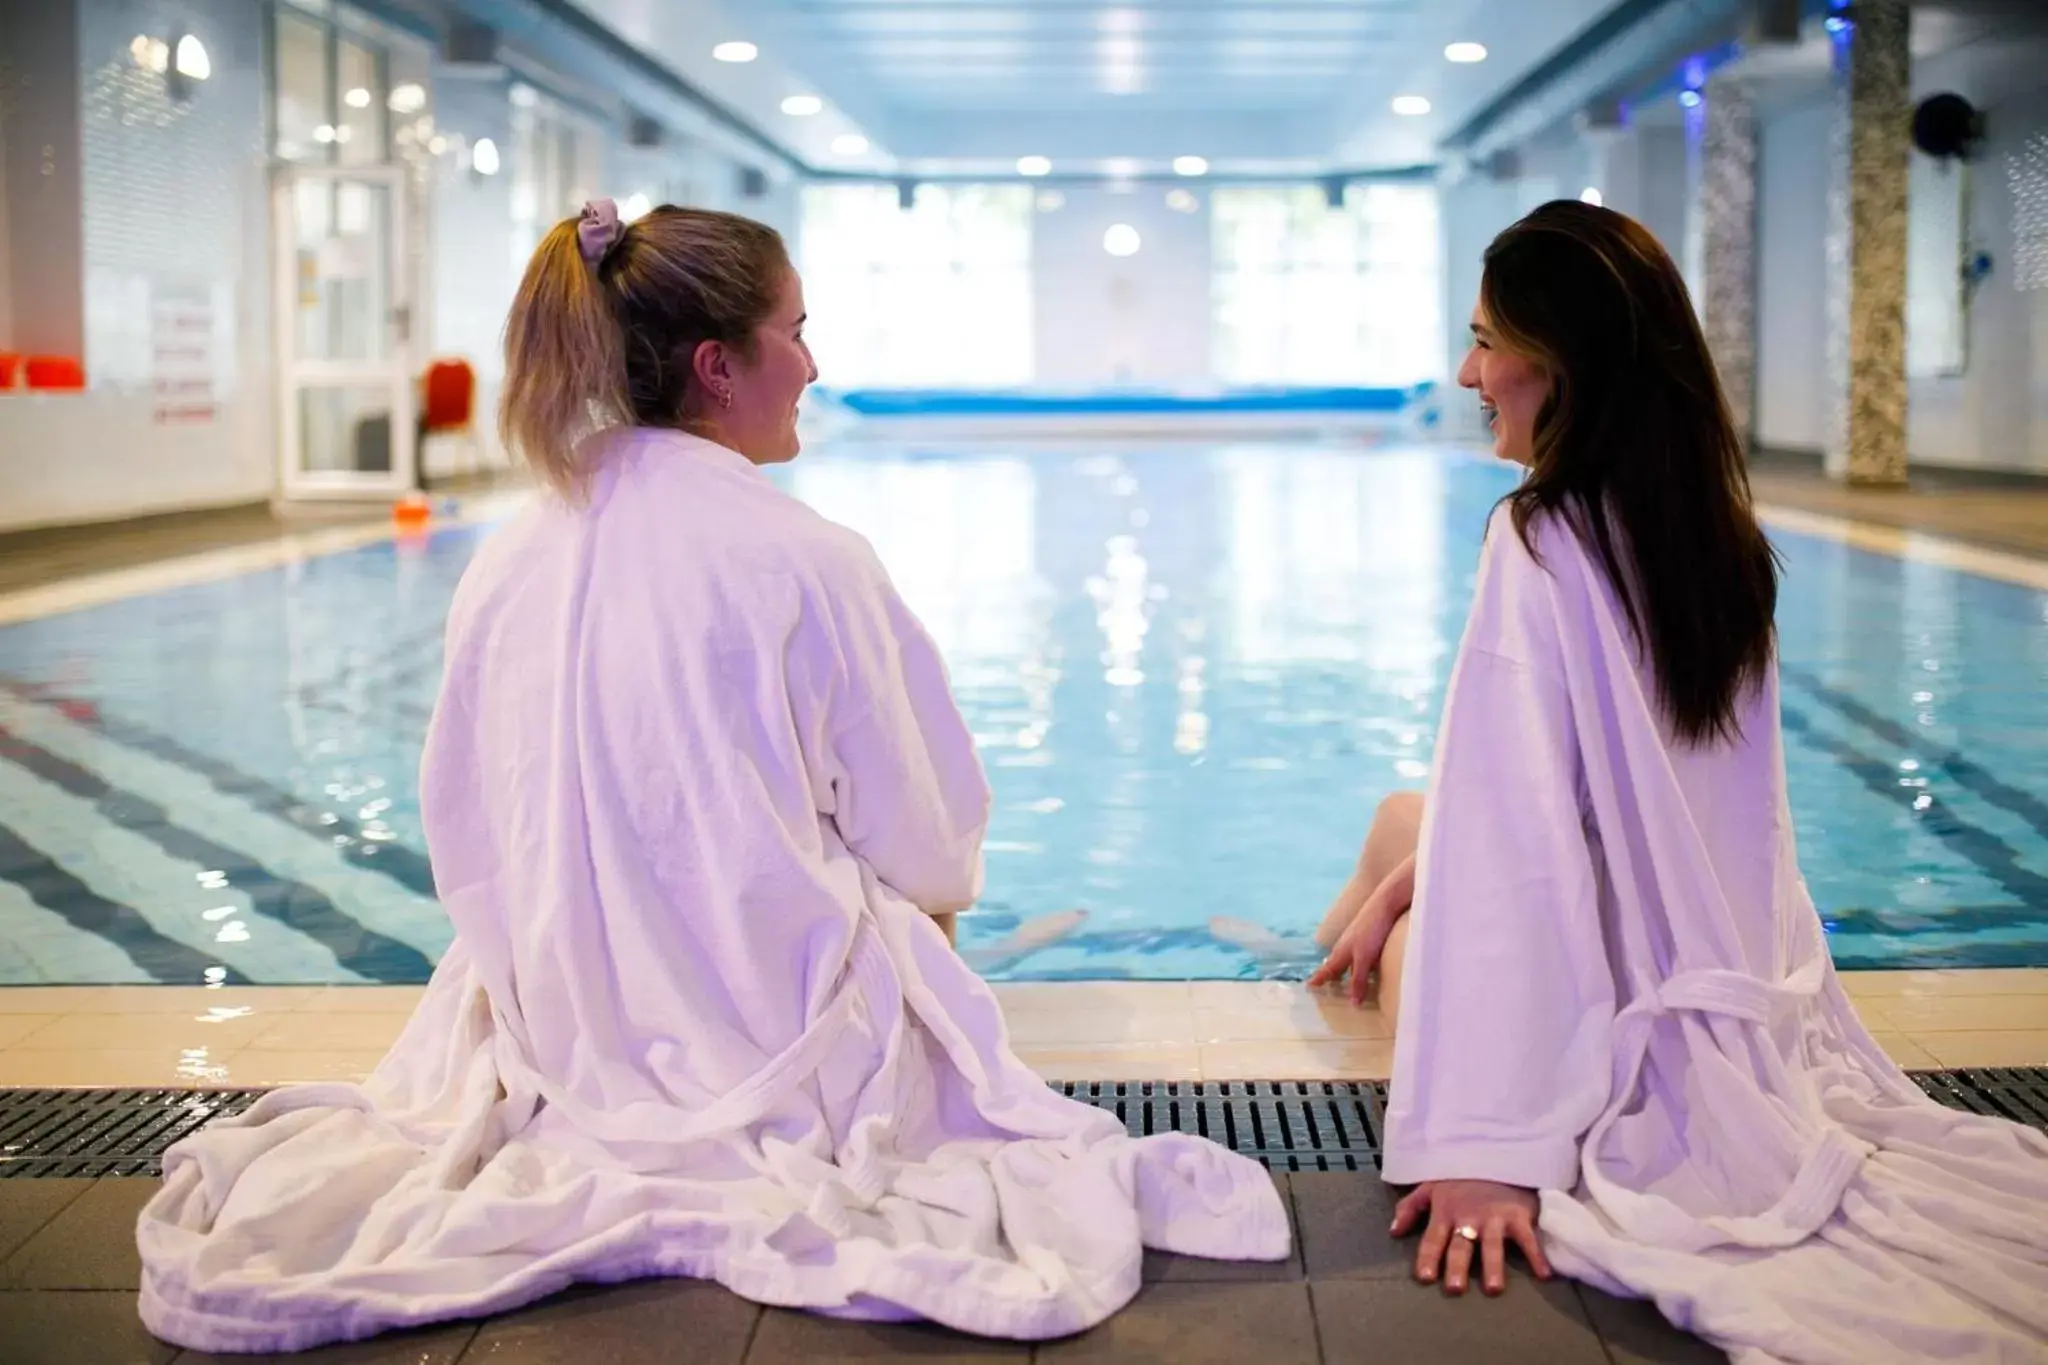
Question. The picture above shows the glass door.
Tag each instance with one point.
(344, 329)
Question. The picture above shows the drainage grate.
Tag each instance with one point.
(103, 1132)
(2019, 1093)
(1288, 1125)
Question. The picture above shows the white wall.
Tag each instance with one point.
(1791, 315)
(174, 202)
(1995, 414)
(1103, 321)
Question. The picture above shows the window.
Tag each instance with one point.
(1310, 294)
(938, 294)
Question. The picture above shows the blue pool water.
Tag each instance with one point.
(1193, 669)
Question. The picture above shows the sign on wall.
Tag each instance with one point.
(184, 359)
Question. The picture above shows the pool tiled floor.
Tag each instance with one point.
(69, 1273)
(1207, 1030)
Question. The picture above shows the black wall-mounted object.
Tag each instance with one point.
(1947, 125)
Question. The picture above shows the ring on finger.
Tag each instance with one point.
(1468, 1232)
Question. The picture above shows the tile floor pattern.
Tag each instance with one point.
(68, 1276)
(1082, 1031)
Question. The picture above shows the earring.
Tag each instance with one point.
(725, 398)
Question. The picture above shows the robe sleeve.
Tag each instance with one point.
(1501, 1058)
(897, 770)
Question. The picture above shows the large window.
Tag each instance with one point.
(1307, 293)
(936, 294)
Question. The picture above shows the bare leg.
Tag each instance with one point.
(1393, 962)
(1396, 831)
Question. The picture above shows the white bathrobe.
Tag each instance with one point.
(693, 781)
(1619, 994)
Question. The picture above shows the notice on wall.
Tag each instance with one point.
(184, 355)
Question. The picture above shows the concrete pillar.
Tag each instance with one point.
(1869, 145)
(1721, 237)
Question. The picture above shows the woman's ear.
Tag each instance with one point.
(711, 366)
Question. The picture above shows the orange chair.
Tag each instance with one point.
(447, 405)
(55, 374)
(10, 363)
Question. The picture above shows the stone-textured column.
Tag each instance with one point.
(1866, 243)
(1723, 240)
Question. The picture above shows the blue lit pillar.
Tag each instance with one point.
(1866, 242)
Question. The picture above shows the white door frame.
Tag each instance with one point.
(393, 372)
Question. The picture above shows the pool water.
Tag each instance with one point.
(1193, 669)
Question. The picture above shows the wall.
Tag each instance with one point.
(1995, 414)
(477, 258)
(1101, 320)
(1791, 316)
(171, 221)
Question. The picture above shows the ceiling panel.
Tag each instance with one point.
(1249, 83)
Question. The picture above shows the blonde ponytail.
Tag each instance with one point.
(588, 348)
(565, 368)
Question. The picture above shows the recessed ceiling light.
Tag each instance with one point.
(735, 52)
(1120, 167)
(192, 59)
(803, 106)
(1190, 165)
(1591, 195)
(408, 98)
(1182, 201)
(849, 144)
(483, 157)
(1465, 52)
(635, 206)
(1410, 106)
(1121, 240)
(1034, 165)
(357, 98)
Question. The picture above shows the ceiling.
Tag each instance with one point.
(968, 86)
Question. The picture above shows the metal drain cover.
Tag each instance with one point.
(1288, 1125)
(103, 1132)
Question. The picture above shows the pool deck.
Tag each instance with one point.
(69, 1274)
(1083, 1031)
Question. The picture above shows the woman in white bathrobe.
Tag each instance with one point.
(1614, 1000)
(694, 791)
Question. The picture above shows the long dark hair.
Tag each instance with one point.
(1636, 450)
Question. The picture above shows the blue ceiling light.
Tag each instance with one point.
(1690, 99)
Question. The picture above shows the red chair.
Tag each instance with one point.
(447, 405)
(55, 374)
(9, 364)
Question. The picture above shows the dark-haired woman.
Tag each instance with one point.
(1614, 1000)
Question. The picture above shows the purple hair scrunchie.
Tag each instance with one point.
(598, 231)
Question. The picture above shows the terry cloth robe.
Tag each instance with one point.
(693, 782)
(1619, 993)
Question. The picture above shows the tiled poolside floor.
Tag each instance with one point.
(68, 1276)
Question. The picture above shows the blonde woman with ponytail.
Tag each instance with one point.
(695, 791)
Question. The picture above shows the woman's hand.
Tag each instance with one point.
(1357, 950)
(1491, 1213)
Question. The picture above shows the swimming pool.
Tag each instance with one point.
(1193, 668)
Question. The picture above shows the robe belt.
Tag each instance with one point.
(1830, 1160)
